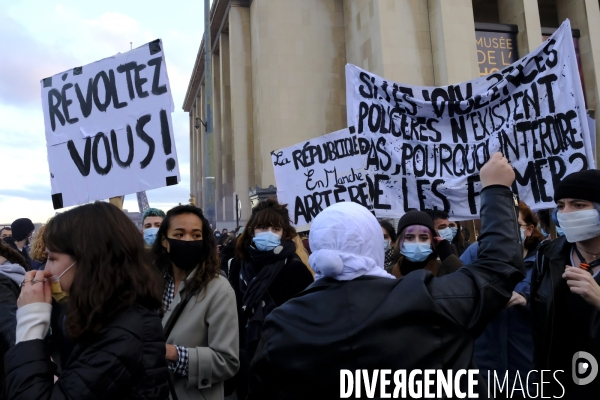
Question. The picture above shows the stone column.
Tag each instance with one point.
(226, 131)
(216, 68)
(298, 78)
(524, 14)
(373, 29)
(200, 154)
(192, 118)
(240, 60)
(585, 16)
(453, 41)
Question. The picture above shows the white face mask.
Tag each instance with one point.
(579, 225)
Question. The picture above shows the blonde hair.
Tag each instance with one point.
(38, 247)
(302, 253)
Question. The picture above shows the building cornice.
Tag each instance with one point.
(218, 12)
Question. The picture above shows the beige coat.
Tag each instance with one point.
(208, 328)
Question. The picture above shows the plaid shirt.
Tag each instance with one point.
(180, 366)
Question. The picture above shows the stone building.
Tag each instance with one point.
(278, 69)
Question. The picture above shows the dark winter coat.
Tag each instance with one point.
(417, 322)
(9, 293)
(125, 360)
(563, 323)
(506, 343)
(292, 279)
(11, 242)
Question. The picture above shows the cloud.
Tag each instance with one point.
(57, 38)
(37, 192)
(25, 62)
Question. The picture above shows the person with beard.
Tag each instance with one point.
(265, 273)
(200, 317)
(418, 248)
(22, 229)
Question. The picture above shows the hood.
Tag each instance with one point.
(13, 271)
(346, 242)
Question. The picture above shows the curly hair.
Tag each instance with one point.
(111, 275)
(210, 265)
(12, 255)
(267, 213)
(152, 212)
(38, 247)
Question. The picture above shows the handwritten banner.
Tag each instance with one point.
(425, 145)
(108, 127)
(315, 174)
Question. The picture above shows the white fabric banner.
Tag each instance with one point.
(108, 127)
(312, 175)
(423, 146)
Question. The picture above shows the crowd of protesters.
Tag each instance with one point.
(181, 310)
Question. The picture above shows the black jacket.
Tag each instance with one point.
(558, 331)
(11, 242)
(9, 293)
(125, 360)
(417, 322)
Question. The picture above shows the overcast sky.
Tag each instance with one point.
(41, 38)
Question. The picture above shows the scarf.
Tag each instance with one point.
(257, 276)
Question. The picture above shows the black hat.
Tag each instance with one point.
(21, 228)
(584, 185)
(416, 218)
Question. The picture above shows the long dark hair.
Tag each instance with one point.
(389, 229)
(265, 214)
(209, 266)
(111, 273)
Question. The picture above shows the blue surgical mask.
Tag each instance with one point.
(544, 232)
(559, 231)
(446, 234)
(386, 245)
(522, 234)
(266, 241)
(454, 231)
(150, 235)
(416, 252)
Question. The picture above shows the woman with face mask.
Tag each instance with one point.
(565, 290)
(200, 313)
(417, 247)
(389, 238)
(265, 273)
(112, 299)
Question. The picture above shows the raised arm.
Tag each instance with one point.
(476, 292)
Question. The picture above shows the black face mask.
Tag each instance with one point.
(185, 254)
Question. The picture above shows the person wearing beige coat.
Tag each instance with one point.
(200, 319)
(208, 328)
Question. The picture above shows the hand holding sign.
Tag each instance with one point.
(497, 171)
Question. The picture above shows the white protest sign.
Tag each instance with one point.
(423, 146)
(108, 127)
(315, 174)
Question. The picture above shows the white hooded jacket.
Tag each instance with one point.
(347, 242)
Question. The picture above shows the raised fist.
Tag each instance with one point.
(497, 171)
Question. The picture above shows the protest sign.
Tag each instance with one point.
(108, 127)
(315, 174)
(423, 147)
